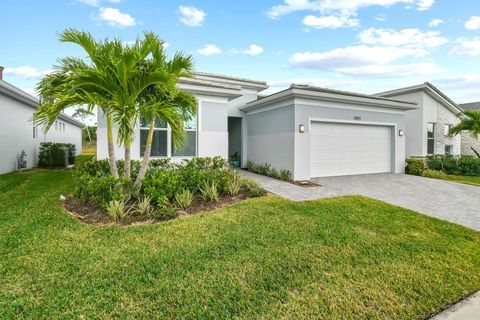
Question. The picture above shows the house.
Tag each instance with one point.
(310, 131)
(469, 142)
(18, 133)
(427, 127)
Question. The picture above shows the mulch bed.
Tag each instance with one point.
(91, 213)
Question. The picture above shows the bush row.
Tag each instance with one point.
(164, 183)
(266, 169)
(52, 154)
(458, 165)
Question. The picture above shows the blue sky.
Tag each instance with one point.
(357, 45)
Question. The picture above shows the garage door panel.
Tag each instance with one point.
(346, 149)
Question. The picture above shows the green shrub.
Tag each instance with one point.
(436, 174)
(415, 166)
(234, 185)
(53, 154)
(80, 160)
(285, 175)
(469, 166)
(100, 190)
(434, 162)
(253, 187)
(450, 164)
(164, 213)
(118, 209)
(184, 198)
(210, 191)
(144, 206)
(256, 192)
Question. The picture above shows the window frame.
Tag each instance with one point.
(433, 139)
(168, 129)
(451, 149)
(446, 128)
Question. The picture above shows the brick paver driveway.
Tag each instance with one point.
(455, 202)
(446, 200)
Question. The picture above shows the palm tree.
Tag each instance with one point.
(471, 123)
(167, 102)
(83, 114)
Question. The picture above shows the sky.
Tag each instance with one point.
(365, 46)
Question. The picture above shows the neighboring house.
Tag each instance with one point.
(18, 133)
(469, 142)
(310, 131)
(427, 127)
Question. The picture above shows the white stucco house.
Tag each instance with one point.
(18, 133)
(427, 127)
(310, 131)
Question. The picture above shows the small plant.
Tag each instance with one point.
(164, 213)
(184, 198)
(118, 209)
(256, 192)
(415, 167)
(274, 173)
(250, 166)
(285, 175)
(234, 185)
(210, 191)
(144, 206)
(435, 174)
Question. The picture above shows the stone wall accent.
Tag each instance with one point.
(467, 142)
(445, 116)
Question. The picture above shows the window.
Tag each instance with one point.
(63, 126)
(448, 149)
(162, 144)
(446, 129)
(430, 138)
(34, 130)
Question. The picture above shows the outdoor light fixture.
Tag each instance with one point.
(401, 133)
(301, 128)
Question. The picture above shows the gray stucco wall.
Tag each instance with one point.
(341, 112)
(270, 137)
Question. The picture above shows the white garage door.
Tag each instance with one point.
(346, 149)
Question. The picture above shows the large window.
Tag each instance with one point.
(162, 144)
(430, 138)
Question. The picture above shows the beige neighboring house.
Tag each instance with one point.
(469, 142)
(427, 127)
(18, 133)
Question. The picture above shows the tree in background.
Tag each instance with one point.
(83, 115)
(471, 123)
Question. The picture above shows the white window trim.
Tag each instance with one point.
(168, 129)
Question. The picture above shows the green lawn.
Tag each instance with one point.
(475, 181)
(264, 258)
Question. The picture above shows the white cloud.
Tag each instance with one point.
(467, 47)
(331, 22)
(116, 18)
(366, 61)
(411, 38)
(26, 72)
(435, 23)
(96, 3)
(209, 49)
(473, 23)
(462, 88)
(349, 7)
(252, 50)
(191, 16)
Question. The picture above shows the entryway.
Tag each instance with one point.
(235, 140)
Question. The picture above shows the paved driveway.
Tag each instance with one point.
(450, 201)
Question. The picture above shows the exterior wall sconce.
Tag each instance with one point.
(301, 128)
(401, 133)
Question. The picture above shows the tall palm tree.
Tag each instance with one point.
(471, 123)
(166, 102)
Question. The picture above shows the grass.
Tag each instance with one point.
(342, 258)
(89, 148)
(474, 181)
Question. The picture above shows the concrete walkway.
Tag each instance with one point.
(468, 309)
(455, 202)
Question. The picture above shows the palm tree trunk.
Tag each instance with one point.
(88, 134)
(111, 151)
(126, 165)
(476, 152)
(146, 157)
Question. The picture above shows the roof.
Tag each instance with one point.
(246, 83)
(428, 88)
(20, 95)
(319, 93)
(470, 106)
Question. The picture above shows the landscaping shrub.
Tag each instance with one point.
(53, 154)
(450, 165)
(184, 198)
(266, 169)
(144, 206)
(434, 162)
(415, 166)
(118, 209)
(234, 184)
(80, 160)
(456, 165)
(436, 174)
(210, 191)
(469, 166)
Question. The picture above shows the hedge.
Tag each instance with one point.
(52, 154)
